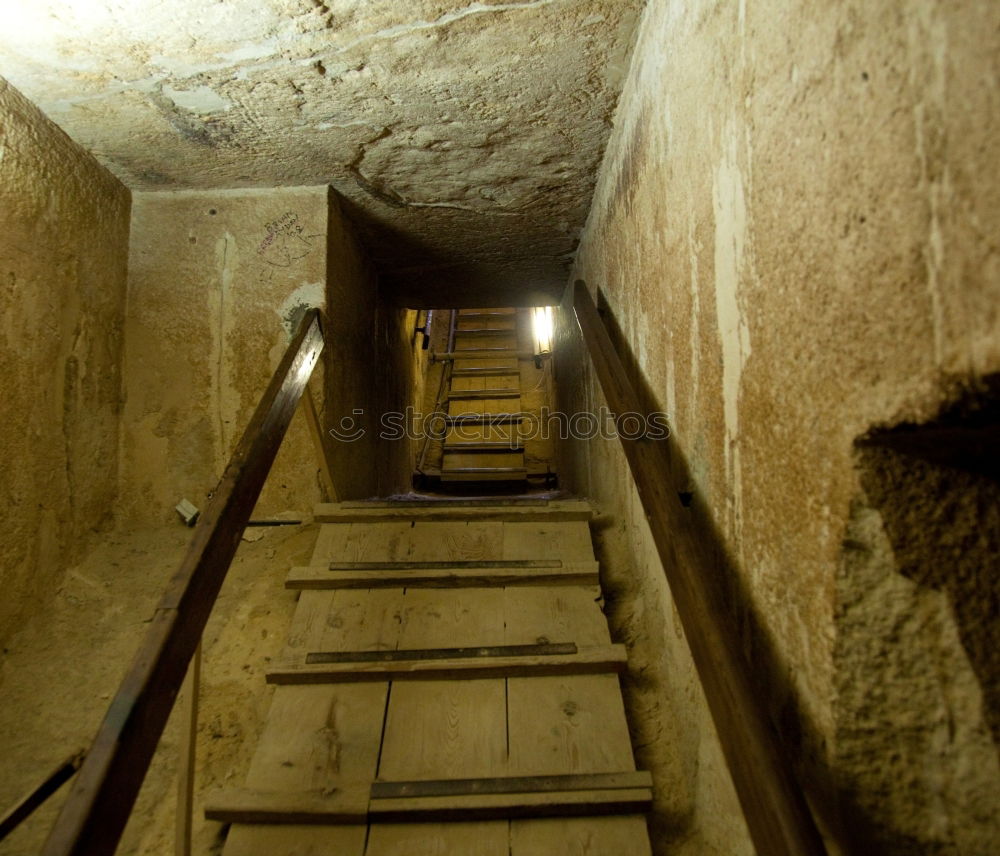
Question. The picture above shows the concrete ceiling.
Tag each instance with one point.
(464, 136)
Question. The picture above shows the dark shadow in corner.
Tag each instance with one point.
(937, 487)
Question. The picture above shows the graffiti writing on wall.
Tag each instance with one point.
(285, 242)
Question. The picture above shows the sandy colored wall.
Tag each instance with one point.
(64, 224)
(794, 233)
(374, 366)
(217, 283)
(407, 372)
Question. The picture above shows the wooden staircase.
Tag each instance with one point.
(484, 400)
(449, 687)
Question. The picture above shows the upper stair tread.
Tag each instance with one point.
(457, 510)
(422, 540)
(389, 618)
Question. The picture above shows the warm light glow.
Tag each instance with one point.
(543, 325)
(39, 24)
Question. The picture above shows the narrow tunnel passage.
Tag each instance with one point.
(487, 415)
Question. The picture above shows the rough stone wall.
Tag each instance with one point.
(406, 374)
(794, 233)
(374, 366)
(64, 224)
(217, 283)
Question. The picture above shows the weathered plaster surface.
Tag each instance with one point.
(374, 366)
(465, 135)
(217, 283)
(64, 224)
(794, 230)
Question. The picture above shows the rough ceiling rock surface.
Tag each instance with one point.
(465, 137)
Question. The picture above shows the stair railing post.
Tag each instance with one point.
(188, 756)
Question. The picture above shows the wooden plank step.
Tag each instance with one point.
(483, 446)
(443, 510)
(499, 341)
(498, 325)
(482, 384)
(489, 576)
(346, 804)
(485, 371)
(489, 312)
(483, 418)
(592, 660)
(485, 331)
(440, 800)
(472, 474)
(483, 354)
(504, 362)
(480, 394)
(509, 435)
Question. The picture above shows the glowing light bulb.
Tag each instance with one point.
(543, 326)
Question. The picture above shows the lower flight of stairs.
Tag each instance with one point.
(449, 686)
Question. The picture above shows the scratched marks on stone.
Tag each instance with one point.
(284, 243)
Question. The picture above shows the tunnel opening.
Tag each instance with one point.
(485, 424)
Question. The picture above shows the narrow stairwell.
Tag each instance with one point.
(491, 393)
(448, 687)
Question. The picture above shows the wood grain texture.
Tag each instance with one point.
(572, 724)
(566, 540)
(318, 737)
(593, 836)
(485, 727)
(559, 612)
(447, 729)
(285, 840)
(308, 620)
(183, 819)
(342, 806)
(476, 838)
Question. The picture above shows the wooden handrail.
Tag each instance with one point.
(775, 809)
(23, 808)
(94, 815)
